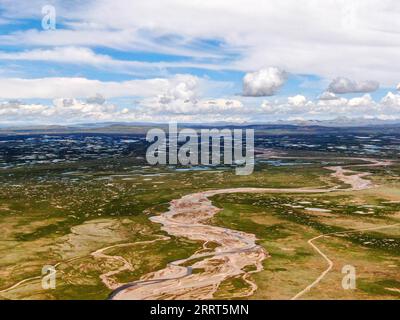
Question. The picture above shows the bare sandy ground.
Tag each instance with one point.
(356, 180)
(236, 251)
(107, 277)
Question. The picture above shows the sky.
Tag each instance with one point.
(198, 61)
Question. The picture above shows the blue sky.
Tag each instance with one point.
(205, 61)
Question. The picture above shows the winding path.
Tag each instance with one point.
(126, 265)
(326, 258)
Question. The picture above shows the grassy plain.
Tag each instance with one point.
(62, 213)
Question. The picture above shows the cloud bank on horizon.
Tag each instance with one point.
(208, 61)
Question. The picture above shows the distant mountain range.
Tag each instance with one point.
(341, 124)
(337, 122)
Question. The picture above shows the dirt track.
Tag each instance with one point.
(327, 259)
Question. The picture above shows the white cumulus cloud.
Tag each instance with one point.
(342, 85)
(265, 82)
(199, 110)
(328, 96)
(365, 100)
(297, 100)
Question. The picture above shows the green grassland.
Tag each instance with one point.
(283, 231)
(64, 212)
